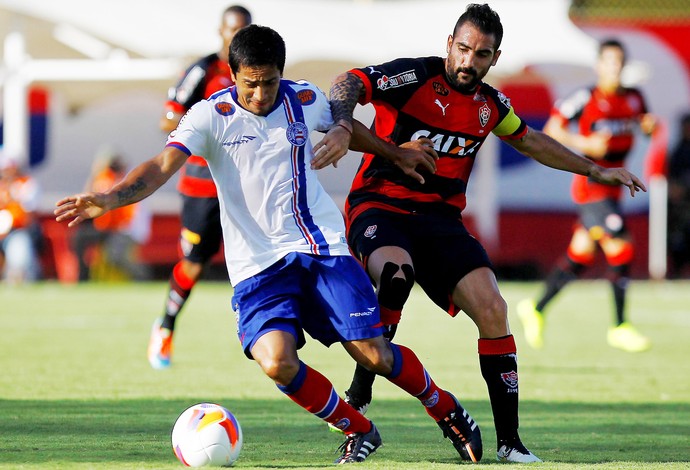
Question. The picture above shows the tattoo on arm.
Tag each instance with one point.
(131, 194)
(344, 95)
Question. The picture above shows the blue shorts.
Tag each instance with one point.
(329, 297)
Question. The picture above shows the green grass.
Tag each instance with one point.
(76, 390)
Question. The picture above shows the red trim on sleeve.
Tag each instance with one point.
(367, 85)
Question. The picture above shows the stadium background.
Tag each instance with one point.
(520, 211)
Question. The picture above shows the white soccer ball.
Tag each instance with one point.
(207, 434)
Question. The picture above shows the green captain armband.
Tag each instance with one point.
(508, 125)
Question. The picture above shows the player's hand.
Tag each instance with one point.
(80, 207)
(331, 148)
(616, 176)
(648, 123)
(417, 155)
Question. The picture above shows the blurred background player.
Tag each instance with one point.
(20, 232)
(679, 201)
(605, 118)
(106, 247)
(200, 237)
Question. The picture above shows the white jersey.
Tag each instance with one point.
(271, 201)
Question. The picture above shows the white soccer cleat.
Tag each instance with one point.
(516, 455)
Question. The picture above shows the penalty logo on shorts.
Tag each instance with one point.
(297, 133)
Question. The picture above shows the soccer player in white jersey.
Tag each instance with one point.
(285, 244)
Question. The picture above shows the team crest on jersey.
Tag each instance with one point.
(510, 378)
(370, 232)
(224, 108)
(440, 89)
(484, 114)
(297, 133)
(306, 97)
(395, 81)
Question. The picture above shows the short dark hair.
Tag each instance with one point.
(606, 43)
(255, 46)
(240, 10)
(484, 18)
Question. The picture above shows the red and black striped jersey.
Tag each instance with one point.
(413, 99)
(201, 79)
(593, 110)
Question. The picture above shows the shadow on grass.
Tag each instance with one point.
(279, 434)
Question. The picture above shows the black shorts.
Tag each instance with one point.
(604, 215)
(201, 233)
(442, 250)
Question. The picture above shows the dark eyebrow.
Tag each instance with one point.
(270, 80)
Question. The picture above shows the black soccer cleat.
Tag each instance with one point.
(463, 432)
(358, 446)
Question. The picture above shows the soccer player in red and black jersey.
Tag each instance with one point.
(405, 222)
(201, 234)
(601, 123)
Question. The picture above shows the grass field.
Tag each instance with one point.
(76, 390)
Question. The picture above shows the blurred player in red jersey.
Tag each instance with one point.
(606, 117)
(201, 236)
(405, 223)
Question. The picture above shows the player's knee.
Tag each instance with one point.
(497, 309)
(619, 253)
(279, 369)
(578, 260)
(394, 288)
(378, 360)
(492, 317)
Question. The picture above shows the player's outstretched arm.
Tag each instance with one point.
(617, 176)
(549, 152)
(139, 183)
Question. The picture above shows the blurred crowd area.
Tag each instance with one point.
(106, 248)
